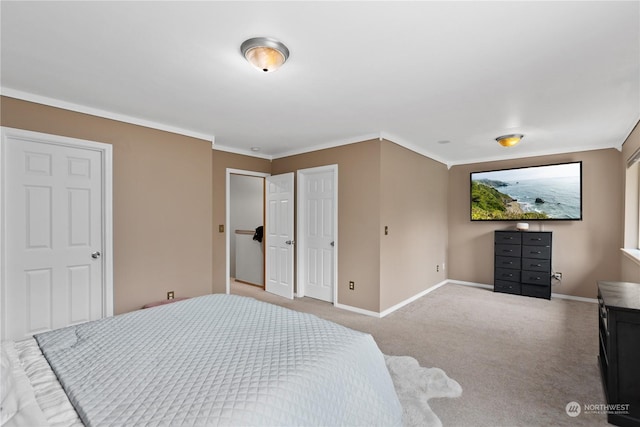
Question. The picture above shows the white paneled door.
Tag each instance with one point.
(279, 241)
(53, 218)
(317, 215)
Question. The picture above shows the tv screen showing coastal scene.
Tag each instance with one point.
(537, 193)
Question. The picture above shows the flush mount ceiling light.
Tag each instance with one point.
(509, 140)
(264, 53)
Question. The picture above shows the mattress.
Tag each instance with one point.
(221, 360)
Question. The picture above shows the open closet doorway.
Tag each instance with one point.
(317, 229)
(245, 225)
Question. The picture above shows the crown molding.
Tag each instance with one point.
(249, 153)
(532, 154)
(331, 144)
(52, 102)
(361, 138)
(38, 99)
(415, 148)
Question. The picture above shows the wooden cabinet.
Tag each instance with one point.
(522, 263)
(619, 326)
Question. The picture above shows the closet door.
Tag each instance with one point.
(317, 218)
(54, 223)
(278, 233)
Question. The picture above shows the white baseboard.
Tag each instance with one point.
(574, 298)
(436, 286)
(473, 284)
(553, 294)
(391, 309)
(357, 310)
(412, 299)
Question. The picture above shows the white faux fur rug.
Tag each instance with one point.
(415, 385)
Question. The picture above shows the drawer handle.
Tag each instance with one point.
(535, 265)
(507, 250)
(536, 252)
(535, 278)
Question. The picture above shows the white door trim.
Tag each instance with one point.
(301, 223)
(227, 217)
(107, 195)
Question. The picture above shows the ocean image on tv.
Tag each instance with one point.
(537, 193)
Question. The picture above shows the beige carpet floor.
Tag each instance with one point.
(519, 360)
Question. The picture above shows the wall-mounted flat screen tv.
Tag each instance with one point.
(536, 193)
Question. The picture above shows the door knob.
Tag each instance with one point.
(95, 255)
(290, 242)
(333, 243)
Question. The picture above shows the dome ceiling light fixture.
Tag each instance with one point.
(509, 140)
(264, 53)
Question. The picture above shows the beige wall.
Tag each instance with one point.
(584, 251)
(220, 161)
(414, 195)
(382, 184)
(358, 216)
(630, 268)
(169, 198)
(161, 201)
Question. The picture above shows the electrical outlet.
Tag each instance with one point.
(221, 228)
(352, 286)
(170, 295)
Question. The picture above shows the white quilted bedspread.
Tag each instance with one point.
(222, 360)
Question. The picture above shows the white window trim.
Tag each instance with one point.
(632, 248)
(632, 254)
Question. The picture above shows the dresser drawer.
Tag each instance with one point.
(536, 278)
(507, 274)
(508, 287)
(539, 252)
(533, 264)
(536, 291)
(508, 237)
(536, 239)
(508, 262)
(508, 250)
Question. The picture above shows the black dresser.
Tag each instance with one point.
(619, 308)
(522, 263)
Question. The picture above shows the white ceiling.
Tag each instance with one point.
(566, 74)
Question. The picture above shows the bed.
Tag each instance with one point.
(212, 360)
